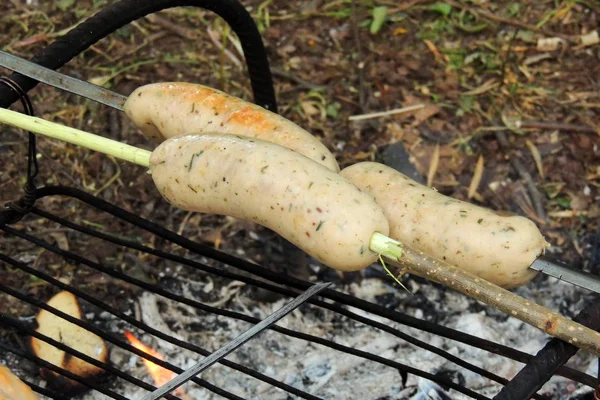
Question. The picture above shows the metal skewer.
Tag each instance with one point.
(561, 271)
(62, 81)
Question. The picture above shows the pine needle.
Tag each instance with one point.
(476, 180)
(435, 161)
(392, 275)
(536, 156)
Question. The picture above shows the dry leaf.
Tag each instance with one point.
(61, 240)
(549, 44)
(433, 48)
(476, 180)
(309, 108)
(486, 86)
(435, 161)
(590, 39)
(536, 156)
(425, 113)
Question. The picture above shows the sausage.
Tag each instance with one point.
(165, 110)
(255, 180)
(497, 248)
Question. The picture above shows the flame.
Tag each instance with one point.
(160, 374)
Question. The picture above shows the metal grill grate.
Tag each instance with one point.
(259, 277)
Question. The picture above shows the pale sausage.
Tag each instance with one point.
(308, 204)
(497, 248)
(165, 110)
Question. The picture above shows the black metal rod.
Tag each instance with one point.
(99, 267)
(553, 355)
(146, 328)
(71, 351)
(342, 298)
(236, 343)
(114, 340)
(220, 272)
(43, 391)
(45, 364)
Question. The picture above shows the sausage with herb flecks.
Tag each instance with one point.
(306, 203)
(496, 248)
(165, 110)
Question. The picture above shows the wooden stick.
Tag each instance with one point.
(415, 262)
(402, 257)
(75, 136)
(385, 113)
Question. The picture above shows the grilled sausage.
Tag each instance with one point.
(165, 110)
(496, 248)
(308, 204)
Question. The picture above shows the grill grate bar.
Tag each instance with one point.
(342, 298)
(19, 326)
(116, 341)
(394, 364)
(273, 288)
(44, 391)
(100, 388)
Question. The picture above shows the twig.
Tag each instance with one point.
(514, 22)
(536, 197)
(213, 37)
(385, 113)
(170, 26)
(408, 260)
(361, 66)
(301, 82)
(555, 126)
(403, 7)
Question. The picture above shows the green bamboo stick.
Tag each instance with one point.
(403, 258)
(77, 137)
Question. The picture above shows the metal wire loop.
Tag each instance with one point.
(23, 205)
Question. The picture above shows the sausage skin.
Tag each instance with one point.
(496, 248)
(306, 203)
(169, 109)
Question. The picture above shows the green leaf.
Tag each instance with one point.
(379, 17)
(514, 10)
(64, 5)
(564, 202)
(526, 36)
(466, 102)
(441, 8)
(333, 109)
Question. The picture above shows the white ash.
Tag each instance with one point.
(331, 374)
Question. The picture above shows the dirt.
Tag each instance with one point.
(496, 104)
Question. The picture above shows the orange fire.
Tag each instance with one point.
(159, 374)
